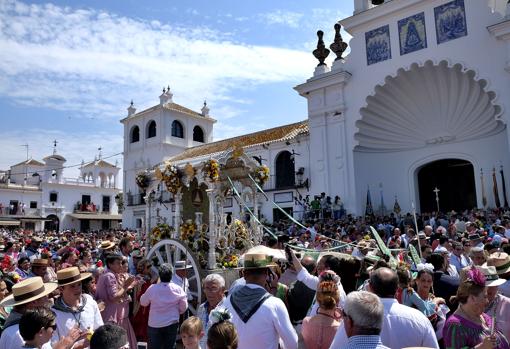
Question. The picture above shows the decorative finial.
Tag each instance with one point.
(100, 154)
(164, 89)
(131, 103)
(55, 147)
(338, 46)
(168, 88)
(205, 103)
(321, 52)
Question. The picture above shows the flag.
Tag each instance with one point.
(382, 208)
(503, 185)
(396, 206)
(369, 211)
(484, 196)
(495, 188)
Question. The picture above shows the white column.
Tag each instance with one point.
(177, 222)
(211, 257)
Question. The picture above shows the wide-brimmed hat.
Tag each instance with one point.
(491, 276)
(423, 236)
(474, 237)
(70, 275)
(106, 245)
(36, 239)
(501, 261)
(40, 262)
(27, 291)
(257, 261)
(181, 265)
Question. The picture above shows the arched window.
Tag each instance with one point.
(151, 129)
(285, 173)
(198, 134)
(135, 134)
(177, 129)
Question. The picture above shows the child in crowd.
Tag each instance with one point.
(222, 334)
(36, 327)
(191, 333)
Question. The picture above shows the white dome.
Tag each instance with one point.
(426, 105)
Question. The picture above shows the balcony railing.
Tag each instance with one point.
(7, 211)
(135, 199)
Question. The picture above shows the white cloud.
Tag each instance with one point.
(92, 62)
(287, 18)
(72, 146)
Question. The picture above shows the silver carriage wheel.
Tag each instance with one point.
(172, 250)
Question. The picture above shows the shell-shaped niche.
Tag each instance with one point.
(427, 105)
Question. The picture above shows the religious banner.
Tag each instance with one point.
(368, 207)
(484, 196)
(503, 184)
(396, 207)
(495, 187)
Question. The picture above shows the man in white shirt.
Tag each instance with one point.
(73, 308)
(180, 277)
(27, 294)
(261, 320)
(403, 326)
(457, 258)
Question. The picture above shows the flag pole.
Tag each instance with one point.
(416, 227)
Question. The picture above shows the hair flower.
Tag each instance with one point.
(425, 266)
(219, 314)
(476, 276)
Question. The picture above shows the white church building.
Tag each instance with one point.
(35, 195)
(417, 112)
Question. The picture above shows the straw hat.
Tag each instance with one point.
(70, 275)
(106, 245)
(40, 263)
(27, 291)
(257, 261)
(491, 276)
(501, 261)
(181, 265)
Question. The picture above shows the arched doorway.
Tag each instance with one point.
(285, 172)
(454, 178)
(52, 223)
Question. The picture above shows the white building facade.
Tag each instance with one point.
(419, 104)
(35, 195)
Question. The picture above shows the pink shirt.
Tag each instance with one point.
(115, 310)
(167, 301)
(318, 331)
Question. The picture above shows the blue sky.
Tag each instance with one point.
(68, 69)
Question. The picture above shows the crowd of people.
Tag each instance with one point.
(327, 283)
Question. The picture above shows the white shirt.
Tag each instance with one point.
(11, 339)
(505, 289)
(459, 262)
(270, 323)
(89, 318)
(403, 327)
(184, 283)
(312, 281)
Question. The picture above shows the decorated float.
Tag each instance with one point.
(200, 232)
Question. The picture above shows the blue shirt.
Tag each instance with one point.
(364, 342)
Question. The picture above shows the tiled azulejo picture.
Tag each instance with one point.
(412, 34)
(378, 45)
(450, 21)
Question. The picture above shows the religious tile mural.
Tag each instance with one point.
(412, 35)
(450, 21)
(378, 45)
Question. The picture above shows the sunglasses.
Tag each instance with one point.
(54, 327)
